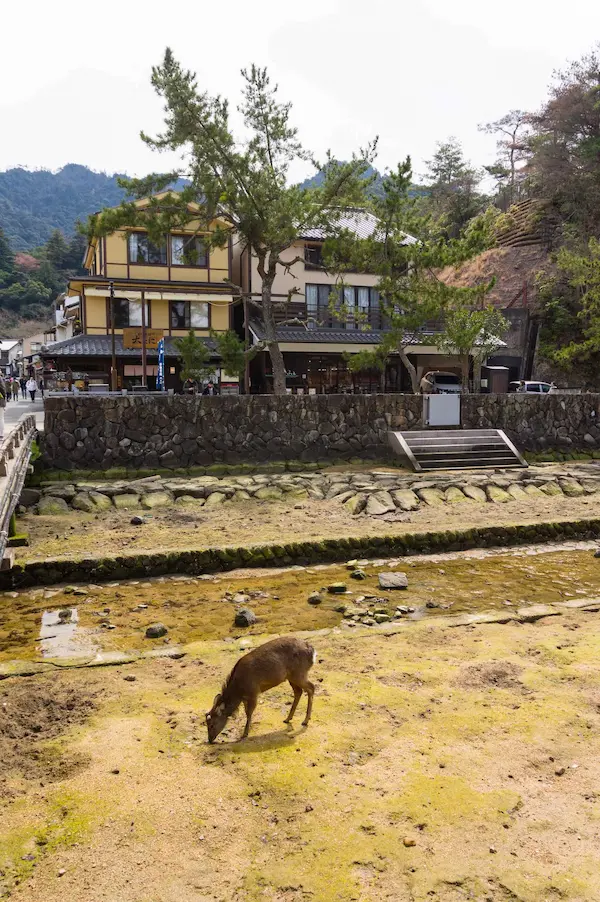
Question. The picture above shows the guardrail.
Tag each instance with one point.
(15, 452)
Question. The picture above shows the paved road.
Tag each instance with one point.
(14, 410)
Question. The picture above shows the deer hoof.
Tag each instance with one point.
(305, 723)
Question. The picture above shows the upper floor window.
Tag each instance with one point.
(190, 315)
(358, 307)
(142, 250)
(188, 250)
(313, 256)
(128, 313)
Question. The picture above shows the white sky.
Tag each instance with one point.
(74, 77)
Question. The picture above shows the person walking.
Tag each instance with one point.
(23, 384)
(2, 405)
(15, 389)
(42, 388)
(31, 387)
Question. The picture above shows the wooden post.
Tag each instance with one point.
(113, 363)
(246, 346)
(144, 382)
(12, 525)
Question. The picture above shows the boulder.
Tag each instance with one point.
(101, 502)
(269, 493)
(393, 581)
(381, 618)
(497, 495)
(156, 499)
(215, 498)
(241, 495)
(314, 598)
(534, 492)
(156, 631)
(517, 492)
(475, 493)
(380, 503)
(51, 507)
(358, 574)
(405, 499)
(551, 488)
(356, 504)
(337, 588)
(29, 497)
(183, 500)
(126, 501)
(244, 617)
(571, 487)
(453, 495)
(433, 497)
(83, 502)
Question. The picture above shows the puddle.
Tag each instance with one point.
(114, 616)
(61, 637)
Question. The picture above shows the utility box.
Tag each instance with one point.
(494, 379)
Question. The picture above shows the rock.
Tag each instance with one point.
(393, 581)
(83, 502)
(534, 612)
(409, 842)
(340, 609)
(432, 497)
(432, 605)
(356, 504)
(497, 495)
(62, 872)
(130, 678)
(559, 771)
(381, 618)
(242, 495)
(29, 497)
(551, 488)
(137, 521)
(534, 492)
(269, 493)
(358, 574)
(597, 553)
(379, 503)
(405, 499)
(215, 499)
(571, 488)
(65, 615)
(240, 598)
(337, 588)
(517, 492)
(50, 506)
(156, 631)
(475, 493)
(244, 617)
(156, 499)
(126, 501)
(343, 496)
(184, 500)
(101, 502)
(314, 598)
(590, 486)
(453, 495)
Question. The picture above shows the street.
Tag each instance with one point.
(14, 410)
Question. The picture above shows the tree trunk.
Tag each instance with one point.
(412, 372)
(464, 366)
(477, 376)
(268, 314)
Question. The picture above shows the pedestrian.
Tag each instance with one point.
(31, 387)
(426, 385)
(23, 384)
(42, 388)
(86, 382)
(189, 387)
(2, 405)
(15, 389)
(69, 375)
(210, 389)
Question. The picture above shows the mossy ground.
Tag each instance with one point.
(450, 738)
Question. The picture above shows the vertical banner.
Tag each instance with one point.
(160, 377)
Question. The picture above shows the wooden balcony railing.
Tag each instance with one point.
(295, 314)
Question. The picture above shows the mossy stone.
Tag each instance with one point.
(126, 501)
(52, 507)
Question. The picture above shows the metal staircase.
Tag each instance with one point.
(460, 449)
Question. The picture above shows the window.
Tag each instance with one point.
(361, 307)
(142, 250)
(189, 315)
(188, 251)
(313, 256)
(128, 313)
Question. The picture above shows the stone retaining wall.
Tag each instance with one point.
(178, 432)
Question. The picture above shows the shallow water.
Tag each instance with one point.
(115, 615)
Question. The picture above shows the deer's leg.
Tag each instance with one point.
(309, 688)
(249, 706)
(297, 697)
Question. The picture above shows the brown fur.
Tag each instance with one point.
(262, 669)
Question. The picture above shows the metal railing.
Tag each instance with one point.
(15, 452)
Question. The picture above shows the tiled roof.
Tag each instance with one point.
(100, 346)
(324, 336)
(361, 222)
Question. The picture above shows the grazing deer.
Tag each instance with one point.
(261, 669)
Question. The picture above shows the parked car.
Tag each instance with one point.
(542, 387)
(443, 382)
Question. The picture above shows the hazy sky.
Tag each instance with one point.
(75, 76)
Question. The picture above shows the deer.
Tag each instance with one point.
(261, 669)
